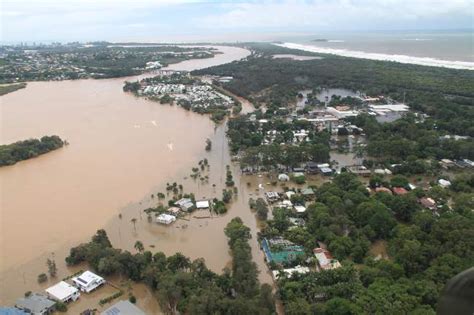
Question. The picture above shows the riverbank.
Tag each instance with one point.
(9, 88)
(118, 156)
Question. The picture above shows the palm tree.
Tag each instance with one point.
(134, 221)
(139, 246)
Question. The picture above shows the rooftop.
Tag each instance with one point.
(86, 278)
(35, 303)
(123, 308)
(61, 290)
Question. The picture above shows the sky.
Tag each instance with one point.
(188, 20)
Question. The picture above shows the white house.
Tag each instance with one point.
(202, 204)
(63, 292)
(444, 183)
(290, 271)
(300, 208)
(325, 259)
(88, 281)
(165, 218)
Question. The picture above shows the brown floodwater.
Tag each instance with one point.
(122, 149)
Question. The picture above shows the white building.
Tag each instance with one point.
(325, 259)
(341, 113)
(88, 281)
(390, 107)
(202, 204)
(290, 271)
(165, 218)
(444, 183)
(63, 292)
(299, 208)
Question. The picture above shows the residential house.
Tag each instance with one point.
(444, 183)
(272, 196)
(123, 308)
(173, 210)
(299, 208)
(311, 167)
(307, 192)
(383, 189)
(202, 204)
(428, 203)
(325, 259)
(165, 218)
(63, 292)
(12, 311)
(186, 204)
(88, 281)
(280, 250)
(399, 191)
(35, 304)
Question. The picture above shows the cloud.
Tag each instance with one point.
(117, 19)
(336, 14)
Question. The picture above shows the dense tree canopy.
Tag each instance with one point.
(27, 149)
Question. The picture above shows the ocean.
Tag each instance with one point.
(442, 48)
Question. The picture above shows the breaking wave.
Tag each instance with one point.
(424, 61)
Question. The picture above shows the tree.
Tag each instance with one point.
(208, 144)
(178, 262)
(42, 277)
(261, 208)
(399, 181)
(139, 246)
(52, 269)
(61, 307)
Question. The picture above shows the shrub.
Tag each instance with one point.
(42, 278)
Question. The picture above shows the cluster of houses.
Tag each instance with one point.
(62, 291)
(281, 253)
(183, 205)
(199, 95)
(425, 202)
(451, 164)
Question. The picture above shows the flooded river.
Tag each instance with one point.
(122, 149)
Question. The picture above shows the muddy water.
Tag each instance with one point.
(121, 150)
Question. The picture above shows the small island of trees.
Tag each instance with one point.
(27, 149)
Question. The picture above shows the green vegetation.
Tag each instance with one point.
(27, 149)
(425, 249)
(443, 99)
(444, 94)
(52, 269)
(61, 307)
(261, 209)
(247, 137)
(208, 144)
(182, 285)
(229, 180)
(42, 277)
(8, 88)
(111, 298)
(96, 60)
(416, 146)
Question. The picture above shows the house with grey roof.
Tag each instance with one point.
(11, 311)
(36, 304)
(123, 308)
